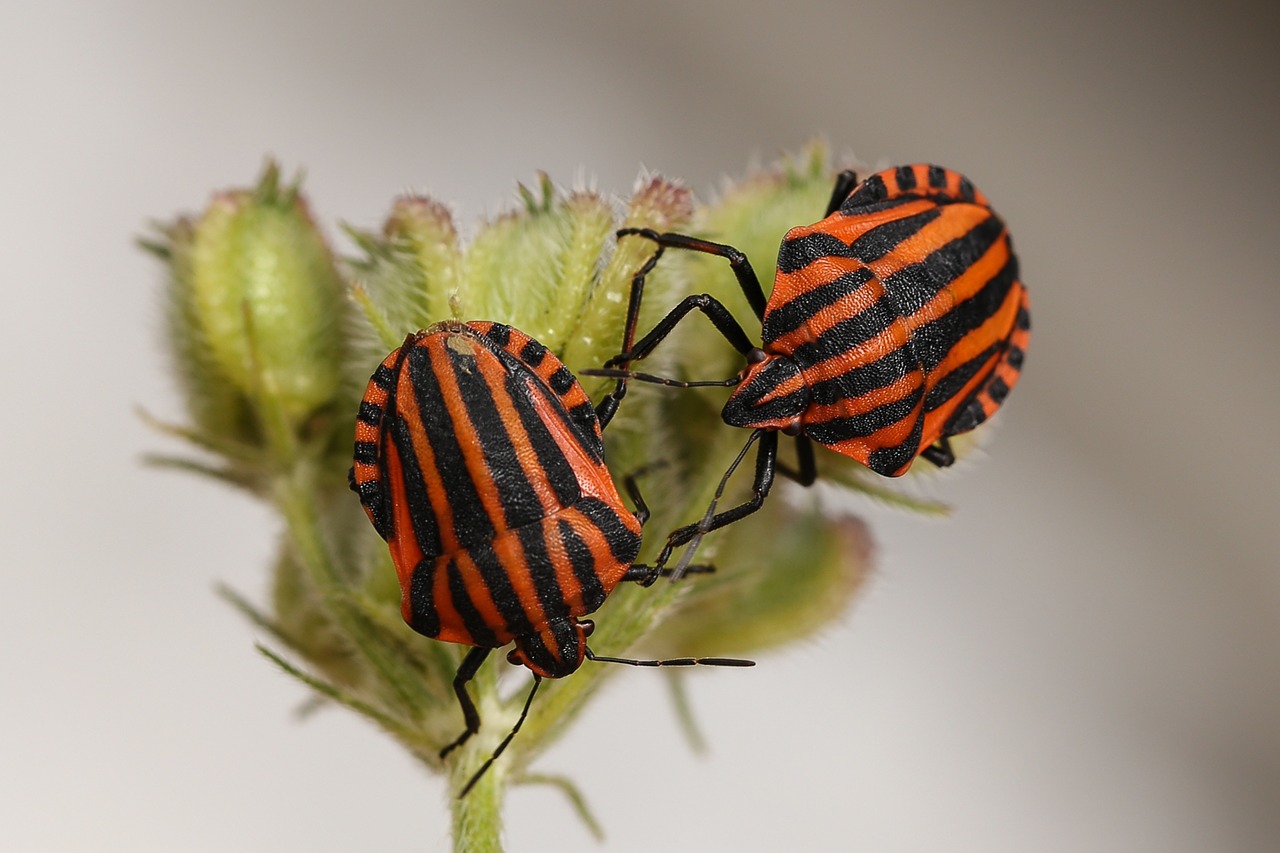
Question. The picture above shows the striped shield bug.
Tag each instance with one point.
(479, 459)
(895, 322)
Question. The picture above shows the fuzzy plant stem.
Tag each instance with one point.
(268, 351)
(477, 817)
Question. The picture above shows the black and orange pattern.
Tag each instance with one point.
(904, 314)
(479, 459)
(897, 321)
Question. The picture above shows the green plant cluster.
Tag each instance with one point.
(273, 335)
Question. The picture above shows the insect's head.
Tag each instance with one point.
(554, 650)
(771, 394)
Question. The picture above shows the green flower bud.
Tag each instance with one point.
(406, 280)
(218, 409)
(781, 577)
(535, 268)
(267, 299)
(659, 204)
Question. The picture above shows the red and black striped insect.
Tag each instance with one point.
(897, 321)
(479, 459)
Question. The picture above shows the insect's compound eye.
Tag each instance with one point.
(588, 627)
(792, 428)
(756, 356)
(513, 657)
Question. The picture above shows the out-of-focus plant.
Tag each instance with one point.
(273, 337)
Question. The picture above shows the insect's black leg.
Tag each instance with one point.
(618, 373)
(467, 671)
(738, 262)
(845, 182)
(537, 679)
(608, 406)
(766, 464)
(808, 472)
(645, 575)
(633, 491)
(719, 316)
(639, 573)
(940, 453)
(709, 305)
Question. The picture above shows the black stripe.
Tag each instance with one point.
(568, 643)
(534, 400)
(370, 413)
(865, 424)
(519, 500)
(538, 657)
(932, 341)
(967, 417)
(497, 579)
(798, 253)
(778, 408)
(559, 659)
(753, 404)
(624, 545)
(870, 191)
(422, 606)
(375, 494)
(370, 488)
(883, 239)
(426, 526)
(864, 378)
(383, 377)
(848, 333)
(470, 521)
(534, 405)
(789, 316)
(584, 416)
(915, 284)
(937, 177)
(543, 572)
(472, 621)
(1014, 356)
(366, 452)
(887, 460)
(584, 566)
(906, 177)
(533, 353)
(997, 390)
(949, 386)
(373, 499)
(1024, 319)
(500, 334)
(967, 193)
(882, 206)
(562, 380)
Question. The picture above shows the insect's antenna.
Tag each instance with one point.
(672, 661)
(705, 524)
(537, 679)
(618, 373)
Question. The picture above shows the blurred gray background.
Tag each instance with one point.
(1083, 658)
